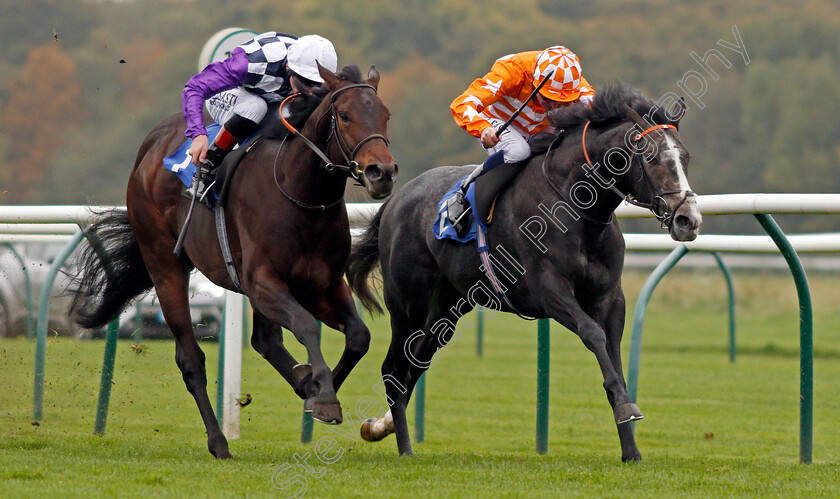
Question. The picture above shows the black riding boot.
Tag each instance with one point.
(205, 175)
(458, 209)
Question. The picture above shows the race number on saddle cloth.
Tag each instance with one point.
(443, 228)
(180, 163)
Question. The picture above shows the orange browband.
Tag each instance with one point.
(655, 127)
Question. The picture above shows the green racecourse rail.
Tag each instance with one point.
(759, 205)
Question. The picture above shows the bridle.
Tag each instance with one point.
(657, 205)
(351, 168)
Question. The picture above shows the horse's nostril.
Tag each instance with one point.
(391, 174)
(373, 172)
(683, 222)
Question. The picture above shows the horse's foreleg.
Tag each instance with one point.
(565, 309)
(267, 340)
(272, 299)
(338, 311)
(610, 313)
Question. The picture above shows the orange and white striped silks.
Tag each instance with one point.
(499, 93)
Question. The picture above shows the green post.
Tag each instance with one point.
(479, 343)
(731, 289)
(43, 322)
(543, 365)
(420, 409)
(639, 316)
(307, 422)
(30, 331)
(806, 337)
(107, 377)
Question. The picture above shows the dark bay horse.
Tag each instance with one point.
(556, 246)
(288, 231)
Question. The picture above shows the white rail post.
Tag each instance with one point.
(234, 312)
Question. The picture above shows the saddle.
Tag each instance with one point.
(489, 185)
(225, 171)
(485, 190)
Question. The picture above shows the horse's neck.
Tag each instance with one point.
(303, 172)
(585, 185)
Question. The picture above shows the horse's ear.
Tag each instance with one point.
(677, 111)
(633, 116)
(373, 77)
(330, 78)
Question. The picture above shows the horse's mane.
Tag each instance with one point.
(300, 109)
(607, 107)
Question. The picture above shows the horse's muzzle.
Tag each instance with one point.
(686, 222)
(380, 179)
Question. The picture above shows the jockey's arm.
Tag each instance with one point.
(214, 78)
(483, 92)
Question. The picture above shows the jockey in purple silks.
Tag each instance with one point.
(265, 69)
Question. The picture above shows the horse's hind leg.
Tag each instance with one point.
(409, 356)
(610, 314)
(171, 279)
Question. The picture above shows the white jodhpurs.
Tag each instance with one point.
(238, 101)
(514, 145)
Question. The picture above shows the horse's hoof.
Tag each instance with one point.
(634, 458)
(327, 413)
(219, 447)
(300, 371)
(308, 403)
(374, 430)
(626, 412)
(368, 433)
(364, 431)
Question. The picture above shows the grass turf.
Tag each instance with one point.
(711, 428)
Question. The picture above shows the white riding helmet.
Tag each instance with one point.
(306, 51)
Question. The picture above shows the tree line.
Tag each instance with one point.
(82, 82)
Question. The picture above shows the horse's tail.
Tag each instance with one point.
(112, 271)
(364, 257)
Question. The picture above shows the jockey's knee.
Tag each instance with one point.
(251, 109)
(516, 151)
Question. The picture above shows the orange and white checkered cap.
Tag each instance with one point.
(565, 83)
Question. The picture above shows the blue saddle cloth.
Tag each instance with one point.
(180, 163)
(443, 229)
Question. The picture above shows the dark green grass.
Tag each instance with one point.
(711, 428)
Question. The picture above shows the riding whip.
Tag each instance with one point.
(522, 107)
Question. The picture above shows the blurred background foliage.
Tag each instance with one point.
(82, 82)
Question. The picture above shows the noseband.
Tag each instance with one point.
(657, 205)
(351, 168)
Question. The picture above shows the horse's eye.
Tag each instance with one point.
(343, 116)
(652, 160)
